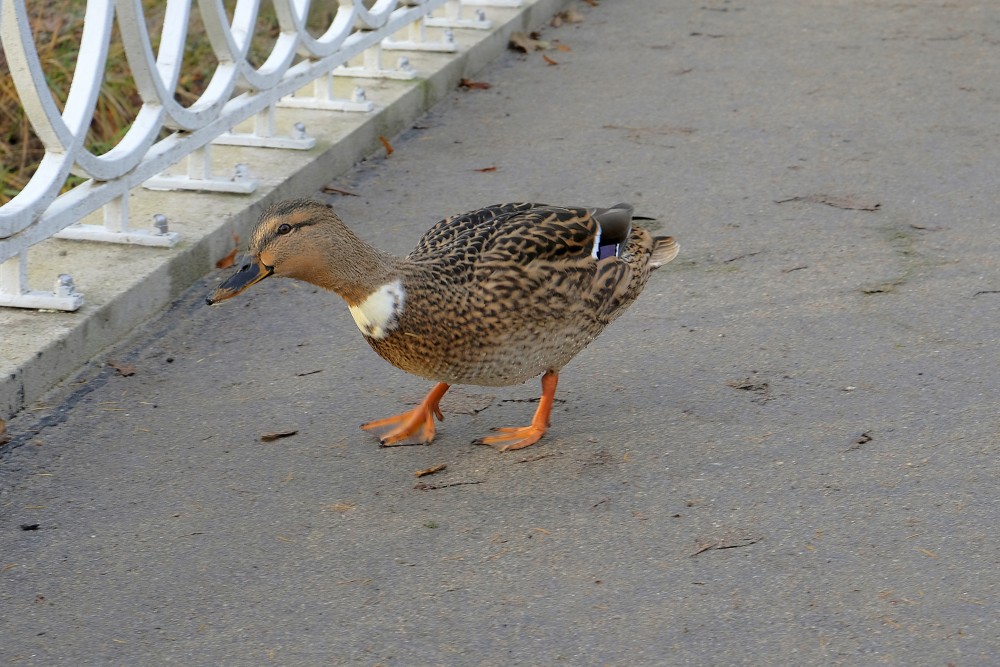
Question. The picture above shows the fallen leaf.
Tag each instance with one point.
(4, 438)
(724, 542)
(520, 41)
(568, 16)
(277, 435)
(848, 202)
(862, 439)
(563, 47)
(431, 470)
(388, 146)
(548, 61)
(125, 370)
(228, 260)
(469, 84)
(485, 169)
(743, 256)
(747, 385)
(424, 486)
(762, 389)
(330, 189)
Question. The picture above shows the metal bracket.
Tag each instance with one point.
(116, 229)
(372, 67)
(199, 177)
(263, 135)
(418, 41)
(14, 292)
(453, 18)
(324, 98)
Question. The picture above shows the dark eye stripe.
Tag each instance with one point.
(287, 228)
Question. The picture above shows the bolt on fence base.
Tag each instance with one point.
(14, 292)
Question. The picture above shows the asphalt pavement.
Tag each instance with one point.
(786, 453)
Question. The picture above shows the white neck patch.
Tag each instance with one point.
(378, 314)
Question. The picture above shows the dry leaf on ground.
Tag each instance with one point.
(424, 486)
(569, 16)
(724, 541)
(333, 190)
(525, 43)
(229, 259)
(431, 470)
(848, 202)
(862, 439)
(548, 61)
(469, 84)
(388, 146)
(277, 435)
(125, 370)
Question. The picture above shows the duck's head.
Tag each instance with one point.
(300, 239)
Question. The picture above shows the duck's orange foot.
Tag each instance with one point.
(524, 436)
(513, 437)
(413, 427)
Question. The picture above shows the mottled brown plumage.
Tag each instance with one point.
(491, 297)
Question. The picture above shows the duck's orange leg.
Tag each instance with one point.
(413, 427)
(519, 437)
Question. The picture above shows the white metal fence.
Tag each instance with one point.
(165, 132)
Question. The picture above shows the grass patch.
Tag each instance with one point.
(57, 27)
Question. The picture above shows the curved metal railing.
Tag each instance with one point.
(166, 132)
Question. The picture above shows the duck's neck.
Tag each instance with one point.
(350, 267)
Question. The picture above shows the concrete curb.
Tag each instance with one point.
(126, 286)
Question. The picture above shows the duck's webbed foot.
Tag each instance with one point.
(512, 438)
(413, 427)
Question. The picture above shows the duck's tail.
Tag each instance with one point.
(665, 248)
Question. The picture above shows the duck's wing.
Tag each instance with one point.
(571, 253)
(467, 230)
(524, 232)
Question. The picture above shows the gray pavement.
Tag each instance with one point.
(786, 453)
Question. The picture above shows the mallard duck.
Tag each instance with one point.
(492, 297)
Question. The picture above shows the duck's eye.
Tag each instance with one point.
(284, 228)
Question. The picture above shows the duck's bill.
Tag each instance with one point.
(250, 273)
